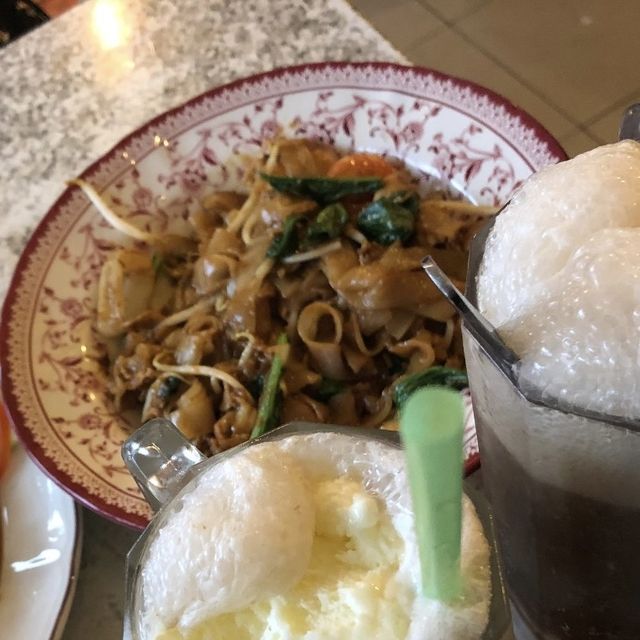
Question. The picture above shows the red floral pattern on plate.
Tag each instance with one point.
(457, 134)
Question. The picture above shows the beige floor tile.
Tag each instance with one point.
(581, 54)
(606, 127)
(577, 141)
(447, 51)
(402, 23)
(452, 10)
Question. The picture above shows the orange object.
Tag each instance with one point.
(5, 440)
(360, 165)
(54, 8)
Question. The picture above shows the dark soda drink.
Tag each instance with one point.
(565, 496)
(563, 553)
(556, 275)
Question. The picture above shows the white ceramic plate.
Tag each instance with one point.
(42, 540)
(454, 133)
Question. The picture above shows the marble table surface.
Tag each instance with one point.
(74, 87)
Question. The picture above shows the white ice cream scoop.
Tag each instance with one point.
(160, 573)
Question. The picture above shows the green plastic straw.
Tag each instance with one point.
(431, 425)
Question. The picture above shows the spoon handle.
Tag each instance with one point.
(486, 336)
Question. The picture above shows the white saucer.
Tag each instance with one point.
(41, 544)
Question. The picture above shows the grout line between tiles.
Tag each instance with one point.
(411, 43)
(516, 76)
(583, 126)
(424, 38)
(448, 21)
(619, 104)
(582, 130)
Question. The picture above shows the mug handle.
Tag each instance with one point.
(161, 460)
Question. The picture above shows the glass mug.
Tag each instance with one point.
(164, 464)
(564, 488)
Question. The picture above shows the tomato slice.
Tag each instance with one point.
(360, 165)
(5, 439)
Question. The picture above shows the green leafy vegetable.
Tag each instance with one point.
(385, 221)
(434, 376)
(328, 225)
(286, 242)
(157, 262)
(326, 389)
(407, 199)
(323, 190)
(269, 406)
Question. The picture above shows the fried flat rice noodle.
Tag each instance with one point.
(191, 322)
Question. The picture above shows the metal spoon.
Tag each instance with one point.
(502, 357)
(477, 325)
(481, 329)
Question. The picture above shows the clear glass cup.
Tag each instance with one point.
(564, 489)
(164, 464)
